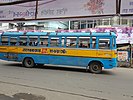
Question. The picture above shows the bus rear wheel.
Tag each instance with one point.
(28, 63)
(95, 67)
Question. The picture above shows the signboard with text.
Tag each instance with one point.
(73, 8)
(57, 9)
(24, 10)
(126, 7)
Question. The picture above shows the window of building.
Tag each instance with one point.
(124, 21)
(131, 22)
(0, 24)
(91, 23)
(106, 21)
(83, 24)
(11, 26)
(74, 24)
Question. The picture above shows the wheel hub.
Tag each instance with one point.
(29, 62)
(95, 67)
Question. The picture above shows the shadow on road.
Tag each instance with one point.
(61, 68)
(13, 64)
(21, 96)
(109, 72)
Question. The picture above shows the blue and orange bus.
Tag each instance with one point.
(93, 51)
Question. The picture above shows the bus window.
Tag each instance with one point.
(71, 42)
(84, 42)
(104, 43)
(23, 40)
(13, 41)
(33, 40)
(93, 42)
(43, 41)
(4, 40)
(54, 42)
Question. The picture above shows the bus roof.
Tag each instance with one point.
(60, 34)
(86, 34)
(12, 33)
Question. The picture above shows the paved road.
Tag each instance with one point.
(58, 83)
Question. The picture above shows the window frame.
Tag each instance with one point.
(87, 42)
(57, 42)
(109, 44)
(76, 42)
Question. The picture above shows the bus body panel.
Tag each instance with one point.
(70, 56)
(38, 59)
(2, 56)
(61, 52)
(68, 60)
(63, 60)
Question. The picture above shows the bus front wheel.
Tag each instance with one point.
(95, 67)
(28, 63)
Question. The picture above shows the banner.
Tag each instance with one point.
(75, 8)
(57, 9)
(122, 55)
(24, 10)
(126, 7)
(131, 36)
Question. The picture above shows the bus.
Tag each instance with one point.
(90, 50)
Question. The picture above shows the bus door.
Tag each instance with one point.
(12, 53)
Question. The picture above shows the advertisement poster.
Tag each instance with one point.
(122, 56)
(74, 8)
(126, 7)
(24, 10)
(131, 37)
(57, 9)
(122, 36)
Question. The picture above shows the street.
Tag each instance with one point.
(63, 83)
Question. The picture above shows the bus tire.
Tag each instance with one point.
(28, 63)
(95, 67)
